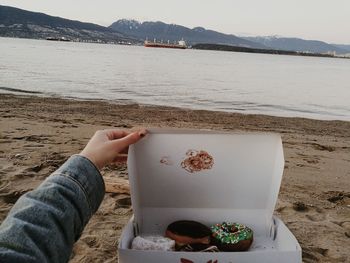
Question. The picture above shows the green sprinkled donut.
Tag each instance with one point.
(232, 236)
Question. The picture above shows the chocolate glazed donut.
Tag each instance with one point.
(232, 236)
(186, 232)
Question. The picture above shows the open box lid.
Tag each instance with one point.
(245, 174)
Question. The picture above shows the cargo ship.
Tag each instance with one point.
(180, 44)
(58, 39)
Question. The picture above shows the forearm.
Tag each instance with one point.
(44, 224)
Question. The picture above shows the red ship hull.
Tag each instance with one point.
(161, 45)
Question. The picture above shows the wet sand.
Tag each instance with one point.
(38, 134)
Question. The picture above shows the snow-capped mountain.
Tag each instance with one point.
(173, 32)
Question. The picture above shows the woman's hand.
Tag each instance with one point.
(106, 146)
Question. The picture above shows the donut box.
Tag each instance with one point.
(239, 183)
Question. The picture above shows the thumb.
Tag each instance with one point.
(131, 138)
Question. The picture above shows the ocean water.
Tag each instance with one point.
(277, 85)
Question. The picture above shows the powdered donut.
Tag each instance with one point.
(159, 243)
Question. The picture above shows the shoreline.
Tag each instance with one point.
(205, 46)
(221, 47)
(37, 134)
(25, 93)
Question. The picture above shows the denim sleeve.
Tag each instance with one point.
(44, 224)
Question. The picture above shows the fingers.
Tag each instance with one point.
(113, 134)
(129, 139)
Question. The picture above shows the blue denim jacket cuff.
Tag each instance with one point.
(83, 172)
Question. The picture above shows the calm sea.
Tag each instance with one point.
(226, 81)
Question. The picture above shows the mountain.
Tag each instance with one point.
(297, 44)
(15, 22)
(173, 32)
(345, 47)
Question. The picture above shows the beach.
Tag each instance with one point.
(38, 134)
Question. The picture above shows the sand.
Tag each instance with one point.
(38, 134)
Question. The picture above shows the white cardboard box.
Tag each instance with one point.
(242, 186)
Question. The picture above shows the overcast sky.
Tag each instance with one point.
(327, 20)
